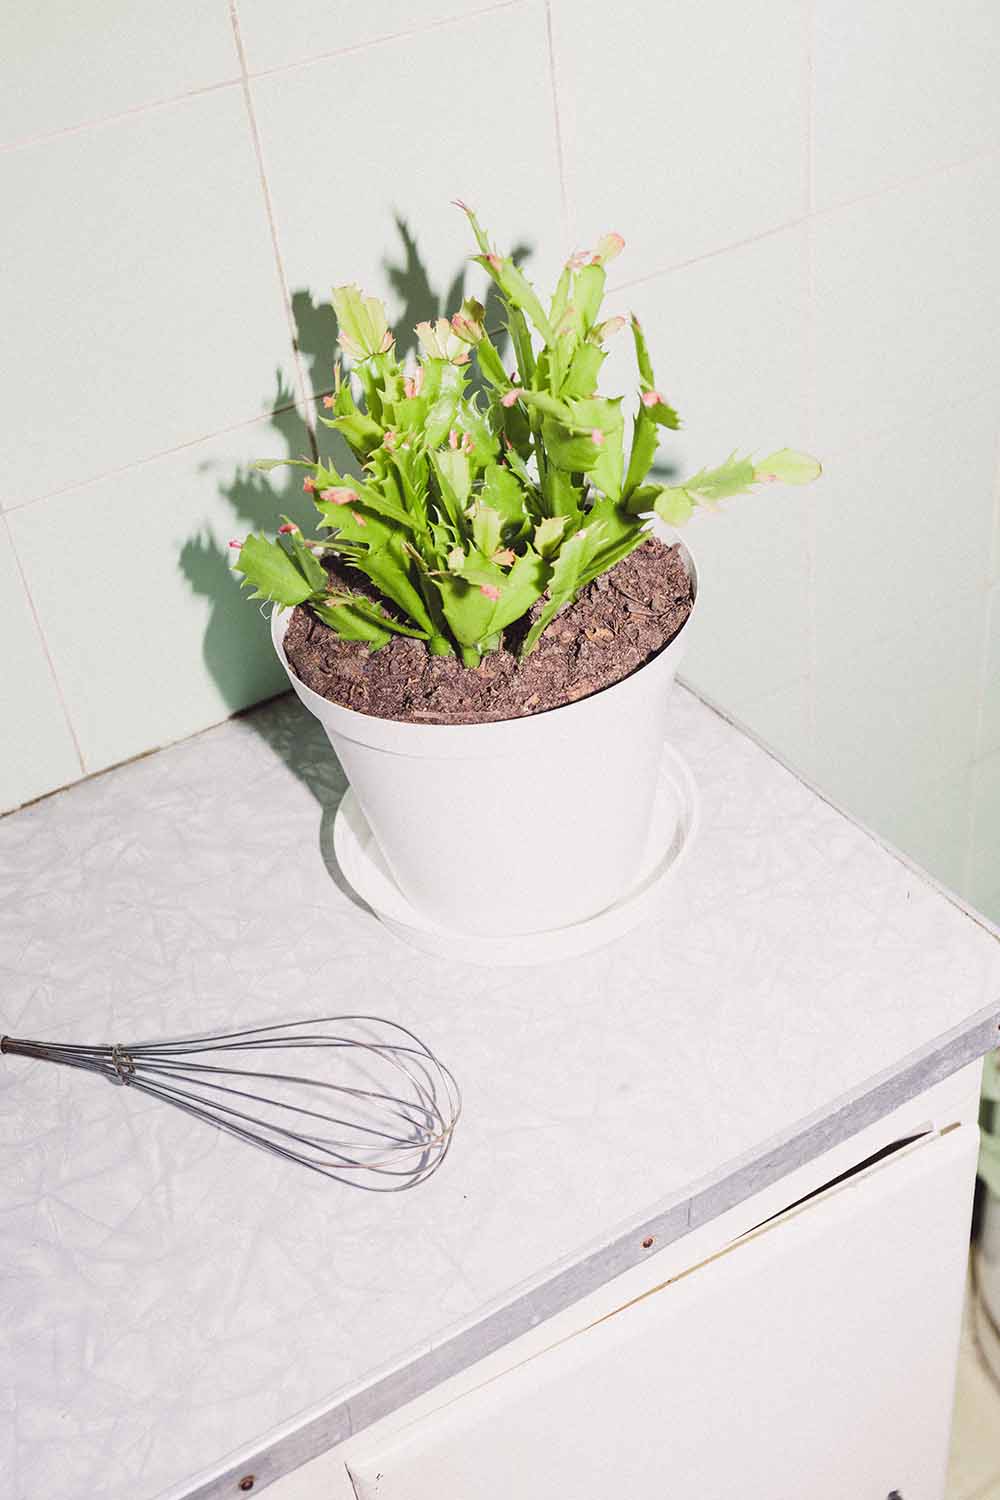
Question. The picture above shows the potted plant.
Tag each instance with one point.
(489, 627)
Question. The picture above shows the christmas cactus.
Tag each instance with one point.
(479, 499)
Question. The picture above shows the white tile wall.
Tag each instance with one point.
(149, 633)
(989, 727)
(141, 249)
(38, 753)
(729, 340)
(811, 200)
(899, 713)
(904, 526)
(299, 30)
(902, 88)
(907, 304)
(783, 720)
(338, 192)
(67, 64)
(984, 851)
(684, 125)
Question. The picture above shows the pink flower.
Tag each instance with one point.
(512, 397)
(309, 485)
(237, 545)
(490, 591)
(328, 402)
(597, 437)
(651, 398)
(340, 495)
(289, 529)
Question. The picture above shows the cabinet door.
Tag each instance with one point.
(815, 1357)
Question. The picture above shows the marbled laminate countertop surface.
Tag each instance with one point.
(171, 1299)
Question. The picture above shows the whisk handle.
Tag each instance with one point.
(113, 1062)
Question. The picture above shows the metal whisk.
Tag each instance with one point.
(380, 1118)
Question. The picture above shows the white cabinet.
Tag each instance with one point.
(812, 1357)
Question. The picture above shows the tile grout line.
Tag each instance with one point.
(811, 215)
(568, 228)
(696, 260)
(84, 126)
(381, 41)
(308, 414)
(913, 179)
(11, 507)
(44, 643)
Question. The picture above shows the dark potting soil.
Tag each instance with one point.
(614, 627)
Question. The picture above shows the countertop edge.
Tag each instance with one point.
(309, 1435)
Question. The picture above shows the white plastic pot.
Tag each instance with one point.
(519, 826)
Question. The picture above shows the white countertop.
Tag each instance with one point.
(170, 1297)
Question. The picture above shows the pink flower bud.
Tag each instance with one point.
(597, 437)
(651, 398)
(511, 398)
(466, 443)
(490, 591)
(328, 402)
(309, 485)
(608, 246)
(578, 259)
(289, 529)
(341, 495)
(453, 438)
(390, 440)
(495, 260)
(387, 341)
(236, 544)
(359, 518)
(609, 328)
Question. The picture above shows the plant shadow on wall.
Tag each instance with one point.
(240, 660)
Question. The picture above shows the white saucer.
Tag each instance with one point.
(672, 829)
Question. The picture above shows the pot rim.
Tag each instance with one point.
(363, 723)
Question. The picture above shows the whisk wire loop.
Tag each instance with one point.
(381, 1115)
